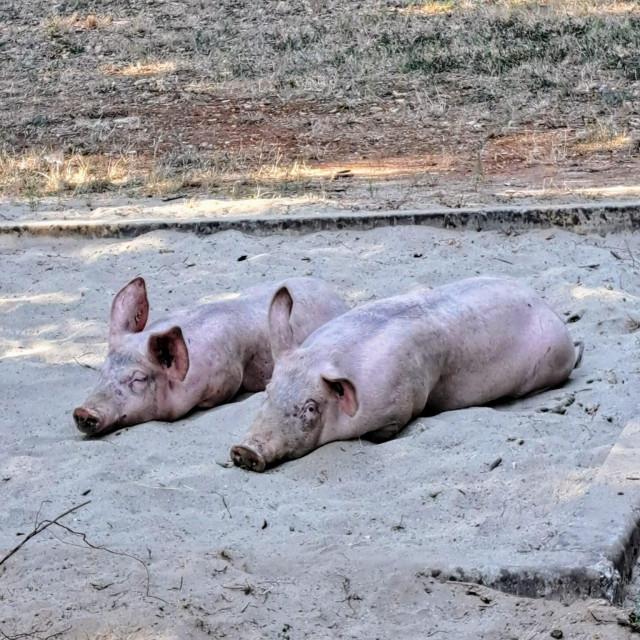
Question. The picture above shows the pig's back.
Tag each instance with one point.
(481, 329)
(422, 311)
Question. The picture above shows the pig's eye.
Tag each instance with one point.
(309, 415)
(138, 381)
(310, 409)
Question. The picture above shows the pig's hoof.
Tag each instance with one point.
(86, 421)
(247, 458)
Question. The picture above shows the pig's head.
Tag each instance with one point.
(139, 371)
(307, 402)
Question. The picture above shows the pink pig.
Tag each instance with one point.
(201, 356)
(375, 368)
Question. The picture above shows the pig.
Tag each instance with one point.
(200, 356)
(375, 368)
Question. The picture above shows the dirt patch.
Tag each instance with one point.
(444, 102)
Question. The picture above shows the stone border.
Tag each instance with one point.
(584, 560)
(603, 217)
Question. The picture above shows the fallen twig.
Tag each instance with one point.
(224, 502)
(45, 524)
(40, 527)
(633, 260)
(115, 553)
(34, 634)
(86, 366)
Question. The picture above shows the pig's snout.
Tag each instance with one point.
(248, 458)
(87, 421)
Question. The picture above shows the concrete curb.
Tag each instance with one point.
(585, 560)
(603, 217)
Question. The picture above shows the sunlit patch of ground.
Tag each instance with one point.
(614, 191)
(430, 8)
(10, 303)
(140, 69)
(622, 141)
(76, 22)
(572, 7)
(605, 293)
(376, 169)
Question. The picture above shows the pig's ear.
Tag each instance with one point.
(169, 350)
(344, 392)
(280, 330)
(130, 309)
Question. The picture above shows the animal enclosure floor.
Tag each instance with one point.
(352, 541)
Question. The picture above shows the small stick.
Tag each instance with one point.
(40, 528)
(32, 634)
(593, 615)
(115, 553)
(633, 260)
(86, 366)
(224, 502)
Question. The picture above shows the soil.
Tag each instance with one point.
(240, 101)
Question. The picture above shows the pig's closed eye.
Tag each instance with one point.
(138, 382)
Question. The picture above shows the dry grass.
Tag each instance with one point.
(139, 69)
(246, 97)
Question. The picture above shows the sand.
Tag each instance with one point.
(343, 542)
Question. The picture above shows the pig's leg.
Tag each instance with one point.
(384, 433)
(553, 368)
(414, 404)
(410, 402)
(579, 345)
(579, 348)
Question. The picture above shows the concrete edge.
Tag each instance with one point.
(584, 560)
(621, 473)
(583, 577)
(604, 217)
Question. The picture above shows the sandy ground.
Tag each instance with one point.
(338, 544)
